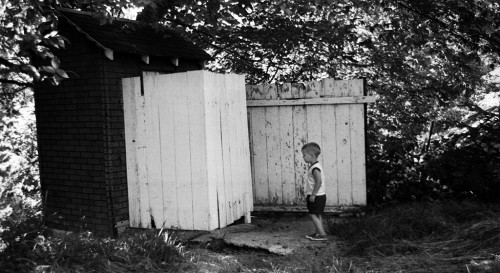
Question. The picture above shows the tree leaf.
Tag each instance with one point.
(62, 73)
(55, 62)
(49, 69)
(51, 34)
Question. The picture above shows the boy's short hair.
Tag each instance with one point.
(313, 148)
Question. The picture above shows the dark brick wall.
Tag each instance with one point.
(70, 142)
(81, 136)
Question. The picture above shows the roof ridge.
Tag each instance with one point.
(139, 38)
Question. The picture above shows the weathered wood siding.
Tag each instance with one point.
(188, 162)
(283, 118)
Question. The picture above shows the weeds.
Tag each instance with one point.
(426, 237)
(145, 251)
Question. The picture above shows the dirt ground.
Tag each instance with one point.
(268, 244)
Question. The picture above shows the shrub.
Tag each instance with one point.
(466, 161)
(20, 210)
(461, 164)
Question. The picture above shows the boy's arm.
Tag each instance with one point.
(317, 184)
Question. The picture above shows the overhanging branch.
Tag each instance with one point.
(6, 62)
(23, 84)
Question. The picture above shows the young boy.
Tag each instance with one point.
(315, 190)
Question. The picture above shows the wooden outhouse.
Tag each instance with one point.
(188, 158)
(80, 123)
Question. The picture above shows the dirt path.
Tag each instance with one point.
(265, 245)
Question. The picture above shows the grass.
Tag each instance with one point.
(146, 251)
(425, 237)
(419, 237)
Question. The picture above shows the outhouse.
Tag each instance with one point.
(80, 123)
(188, 155)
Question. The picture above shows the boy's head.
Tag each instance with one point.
(312, 149)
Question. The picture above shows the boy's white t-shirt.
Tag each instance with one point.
(310, 180)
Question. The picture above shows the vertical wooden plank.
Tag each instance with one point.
(314, 127)
(231, 98)
(312, 89)
(245, 180)
(270, 92)
(299, 139)
(142, 174)
(155, 185)
(250, 111)
(257, 92)
(131, 86)
(328, 87)
(329, 151)
(221, 186)
(342, 128)
(167, 148)
(298, 91)
(251, 144)
(245, 145)
(328, 135)
(259, 151)
(287, 154)
(314, 116)
(214, 153)
(274, 155)
(236, 152)
(197, 141)
(211, 127)
(341, 88)
(248, 92)
(285, 91)
(357, 124)
(182, 151)
(226, 156)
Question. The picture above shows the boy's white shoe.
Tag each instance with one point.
(311, 236)
(318, 237)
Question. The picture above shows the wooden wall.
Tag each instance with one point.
(188, 162)
(284, 118)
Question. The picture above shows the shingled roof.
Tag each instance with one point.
(130, 36)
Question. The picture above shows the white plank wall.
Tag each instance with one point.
(188, 158)
(328, 112)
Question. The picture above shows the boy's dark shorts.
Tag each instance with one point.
(318, 206)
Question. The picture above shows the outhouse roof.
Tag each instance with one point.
(122, 35)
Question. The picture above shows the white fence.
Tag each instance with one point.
(283, 118)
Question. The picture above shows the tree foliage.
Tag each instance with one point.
(19, 180)
(426, 61)
(28, 37)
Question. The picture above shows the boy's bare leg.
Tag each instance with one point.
(318, 224)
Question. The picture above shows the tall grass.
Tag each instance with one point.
(443, 236)
(142, 251)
